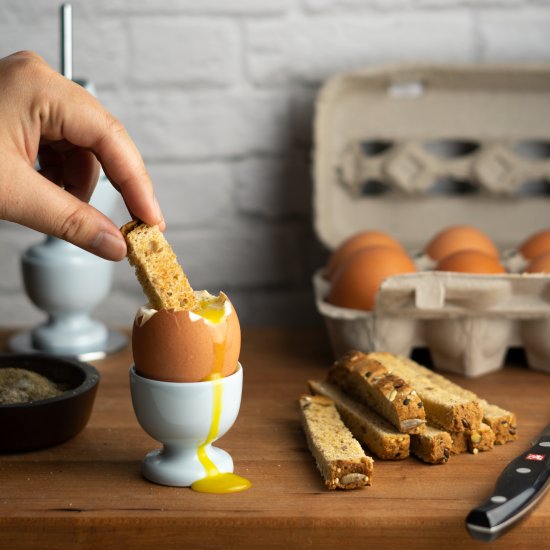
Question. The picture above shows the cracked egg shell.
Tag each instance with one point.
(182, 346)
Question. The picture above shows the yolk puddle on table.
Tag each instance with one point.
(216, 481)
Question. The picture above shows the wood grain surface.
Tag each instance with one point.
(88, 492)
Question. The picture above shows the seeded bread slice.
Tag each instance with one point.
(157, 268)
(444, 408)
(339, 457)
(474, 441)
(460, 443)
(501, 421)
(367, 427)
(386, 392)
(433, 445)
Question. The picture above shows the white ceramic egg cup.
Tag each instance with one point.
(179, 415)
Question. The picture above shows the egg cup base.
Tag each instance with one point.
(181, 467)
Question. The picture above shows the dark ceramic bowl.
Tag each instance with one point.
(48, 422)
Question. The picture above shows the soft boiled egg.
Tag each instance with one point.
(471, 261)
(460, 237)
(363, 239)
(355, 285)
(188, 346)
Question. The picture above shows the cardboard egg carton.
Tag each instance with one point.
(410, 150)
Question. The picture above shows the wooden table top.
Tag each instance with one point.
(89, 493)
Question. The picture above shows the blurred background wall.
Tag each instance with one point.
(219, 97)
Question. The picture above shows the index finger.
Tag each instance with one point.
(68, 111)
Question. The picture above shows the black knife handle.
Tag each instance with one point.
(518, 488)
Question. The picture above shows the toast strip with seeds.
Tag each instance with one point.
(474, 441)
(433, 445)
(445, 409)
(339, 457)
(385, 392)
(157, 268)
(501, 421)
(482, 439)
(367, 427)
(460, 443)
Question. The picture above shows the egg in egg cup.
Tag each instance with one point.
(186, 381)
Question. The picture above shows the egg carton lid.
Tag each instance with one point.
(410, 149)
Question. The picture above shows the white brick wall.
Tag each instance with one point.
(218, 95)
(200, 52)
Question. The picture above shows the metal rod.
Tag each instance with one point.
(66, 41)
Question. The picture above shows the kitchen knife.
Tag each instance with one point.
(520, 486)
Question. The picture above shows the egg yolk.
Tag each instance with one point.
(213, 311)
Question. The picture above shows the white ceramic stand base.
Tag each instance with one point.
(22, 342)
(181, 467)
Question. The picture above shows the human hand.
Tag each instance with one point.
(46, 116)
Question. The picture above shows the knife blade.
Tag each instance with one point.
(519, 487)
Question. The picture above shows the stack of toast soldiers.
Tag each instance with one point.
(394, 407)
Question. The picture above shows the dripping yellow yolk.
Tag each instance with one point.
(213, 310)
(216, 481)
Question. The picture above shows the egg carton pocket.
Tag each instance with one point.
(468, 322)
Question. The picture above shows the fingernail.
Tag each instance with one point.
(160, 217)
(109, 246)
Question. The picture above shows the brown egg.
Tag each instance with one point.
(536, 244)
(460, 237)
(183, 346)
(470, 261)
(539, 264)
(356, 283)
(354, 243)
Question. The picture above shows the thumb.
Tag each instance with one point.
(39, 204)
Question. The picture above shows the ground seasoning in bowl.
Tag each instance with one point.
(22, 386)
(44, 400)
